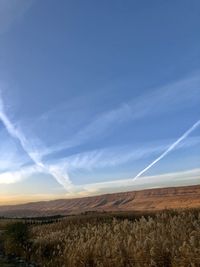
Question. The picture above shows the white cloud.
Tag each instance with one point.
(17, 176)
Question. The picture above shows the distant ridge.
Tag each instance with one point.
(143, 200)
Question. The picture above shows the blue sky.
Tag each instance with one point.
(93, 92)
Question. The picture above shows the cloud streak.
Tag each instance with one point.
(172, 147)
(61, 178)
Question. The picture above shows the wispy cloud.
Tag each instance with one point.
(114, 157)
(17, 134)
(102, 158)
(156, 101)
(11, 177)
(97, 159)
(189, 177)
(11, 155)
(175, 96)
(34, 155)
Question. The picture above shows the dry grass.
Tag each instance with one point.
(166, 239)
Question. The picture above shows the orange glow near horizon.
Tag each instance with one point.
(21, 199)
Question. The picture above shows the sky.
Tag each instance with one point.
(98, 97)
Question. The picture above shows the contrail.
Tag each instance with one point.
(185, 135)
(15, 133)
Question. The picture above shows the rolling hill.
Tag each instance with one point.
(144, 200)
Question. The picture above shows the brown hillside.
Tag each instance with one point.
(144, 200)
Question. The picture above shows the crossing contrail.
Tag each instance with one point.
(61, 178)
(185, 135)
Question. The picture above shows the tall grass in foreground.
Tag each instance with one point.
(166, 239)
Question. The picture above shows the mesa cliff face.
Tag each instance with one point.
(144, 200)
